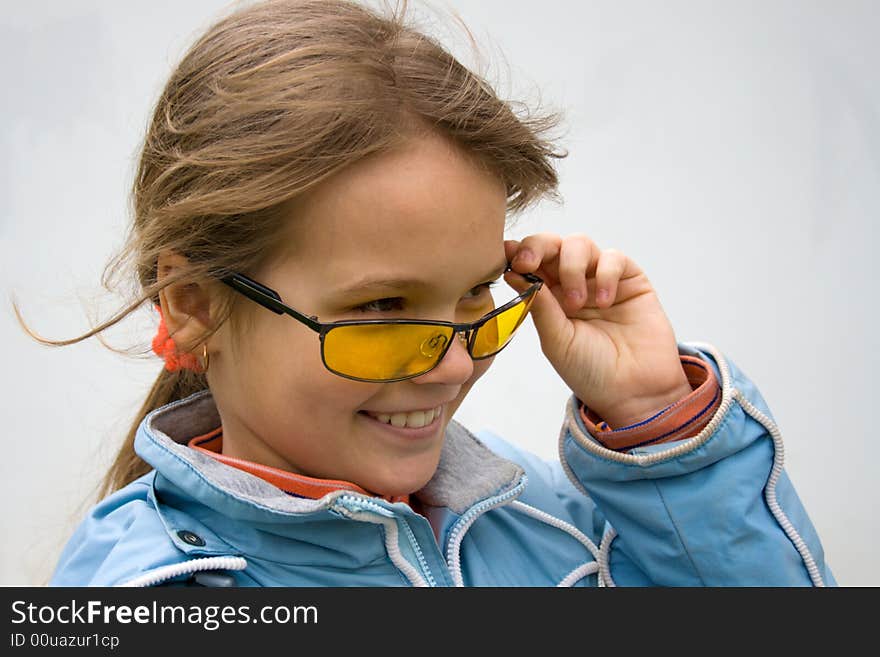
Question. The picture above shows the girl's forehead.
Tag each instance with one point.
(398, 244)
(422, 207)
(412, 251)
(422, 180)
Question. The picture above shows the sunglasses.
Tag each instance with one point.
(387, 350)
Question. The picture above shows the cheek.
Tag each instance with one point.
(317, 393)
(284, 350)
(480, 368)
(282, 363)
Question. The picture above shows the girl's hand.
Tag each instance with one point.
(601, 326)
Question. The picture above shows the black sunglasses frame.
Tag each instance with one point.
(270, 299)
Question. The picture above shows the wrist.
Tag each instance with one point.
(638, 408)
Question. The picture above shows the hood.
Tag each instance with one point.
(467, 473)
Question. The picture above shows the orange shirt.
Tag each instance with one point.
(291, 483)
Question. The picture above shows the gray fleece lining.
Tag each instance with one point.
(467, 473)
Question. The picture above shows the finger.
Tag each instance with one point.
(575, 258)
(537, 251)
(550, 320)
(610, 268)
(510, 249)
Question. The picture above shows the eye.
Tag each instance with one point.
(480, 290)
(396, 304)
(386, 305)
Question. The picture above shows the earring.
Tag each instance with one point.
(205, 356)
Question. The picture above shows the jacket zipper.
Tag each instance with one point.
(456, 535)
(353, 502)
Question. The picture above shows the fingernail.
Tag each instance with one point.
(573, 295)
(602, 296)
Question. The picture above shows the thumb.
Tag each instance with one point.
(554, 328)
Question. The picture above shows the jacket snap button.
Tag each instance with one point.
(188, 537)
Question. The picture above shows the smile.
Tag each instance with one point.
(407, 419)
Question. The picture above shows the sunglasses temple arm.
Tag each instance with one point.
(267, 298)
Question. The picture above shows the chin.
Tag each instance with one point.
(404, 480)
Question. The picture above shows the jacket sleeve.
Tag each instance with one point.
(715, 509)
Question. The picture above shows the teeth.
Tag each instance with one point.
(399, 419)
(412, 420)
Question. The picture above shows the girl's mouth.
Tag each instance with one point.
(413, 424)
(411, 419)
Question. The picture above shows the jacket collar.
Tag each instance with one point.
(468, 471)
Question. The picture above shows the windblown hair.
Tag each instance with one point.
(274, 98)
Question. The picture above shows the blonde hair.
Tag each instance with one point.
(271, 100)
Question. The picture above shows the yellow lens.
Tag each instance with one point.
(497, 332)
(381, 352)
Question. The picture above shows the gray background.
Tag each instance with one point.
(731, 148)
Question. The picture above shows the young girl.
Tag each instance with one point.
(320, 210)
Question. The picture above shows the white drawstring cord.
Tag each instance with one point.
(578, 573)
(163, 573)
(545, 517)
(770, 489)
(391, 533)
(604, 558)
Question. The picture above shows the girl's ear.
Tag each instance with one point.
(186, 307)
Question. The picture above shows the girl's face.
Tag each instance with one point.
(425, 216)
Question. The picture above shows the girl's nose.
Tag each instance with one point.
(454, 368)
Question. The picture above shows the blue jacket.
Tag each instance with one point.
(713, 510)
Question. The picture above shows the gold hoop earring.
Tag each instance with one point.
(205, 356)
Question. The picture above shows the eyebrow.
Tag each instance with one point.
(405, 283)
